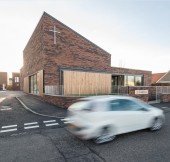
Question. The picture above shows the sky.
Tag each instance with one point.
(135, 32)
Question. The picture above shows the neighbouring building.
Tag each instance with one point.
(9, 82)
(3, 80)
(15, 81)
(59, 61)
(161, 79)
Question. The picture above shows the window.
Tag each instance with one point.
(131, 80)
(138, 80)
(124, 105)
(16, 79)
(33, 84)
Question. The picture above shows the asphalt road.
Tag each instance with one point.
(56, 144)
(14, 119)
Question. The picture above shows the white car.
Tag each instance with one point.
(101, 118)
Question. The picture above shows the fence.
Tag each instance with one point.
(161, 90)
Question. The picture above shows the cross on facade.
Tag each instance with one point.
(55, 31)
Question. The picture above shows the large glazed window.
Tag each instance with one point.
(33, 84)
(132, 80)
(138, 80)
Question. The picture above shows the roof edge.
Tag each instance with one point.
(45, 13)
(33, 31)
(131, 69)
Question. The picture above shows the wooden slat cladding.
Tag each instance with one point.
(26, 84)
(40, 82)
(86, 83)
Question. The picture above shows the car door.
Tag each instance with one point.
(127, 115)
(137, 115)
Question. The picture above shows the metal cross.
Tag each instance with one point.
(55, 31)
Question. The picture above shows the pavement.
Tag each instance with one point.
(41, 108)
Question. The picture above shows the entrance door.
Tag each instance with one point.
(117, 82)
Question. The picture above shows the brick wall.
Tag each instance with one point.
(71, 51)
(15, 85)
(33, 59)
(165, 97)
(3, 78)
(145, 97)
(60, 101)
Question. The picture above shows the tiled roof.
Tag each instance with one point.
(165, 78)
(156, 77)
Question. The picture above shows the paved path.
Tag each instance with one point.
(42, 107)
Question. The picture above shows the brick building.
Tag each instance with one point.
(3, 80)
(15, 81)
(57, 60)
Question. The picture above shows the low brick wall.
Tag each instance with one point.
(165, 97)
(65, 101)
(144, 97)
(60, 101)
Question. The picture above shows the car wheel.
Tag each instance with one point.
(157, 124)
(105, 136)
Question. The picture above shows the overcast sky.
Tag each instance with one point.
(135, 32)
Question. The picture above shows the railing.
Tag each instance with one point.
(154, 92)
(120, 90)
(161, 90)
(53, 90)
(74, 90)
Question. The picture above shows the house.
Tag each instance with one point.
(3, 80)
(161, 79)
(9, 82)
(59, 61)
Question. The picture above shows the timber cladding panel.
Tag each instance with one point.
(76, 83)
(26, 85)
(40, 81)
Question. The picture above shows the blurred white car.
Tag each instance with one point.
(101, 118)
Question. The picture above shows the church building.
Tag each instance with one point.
(59, 61)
